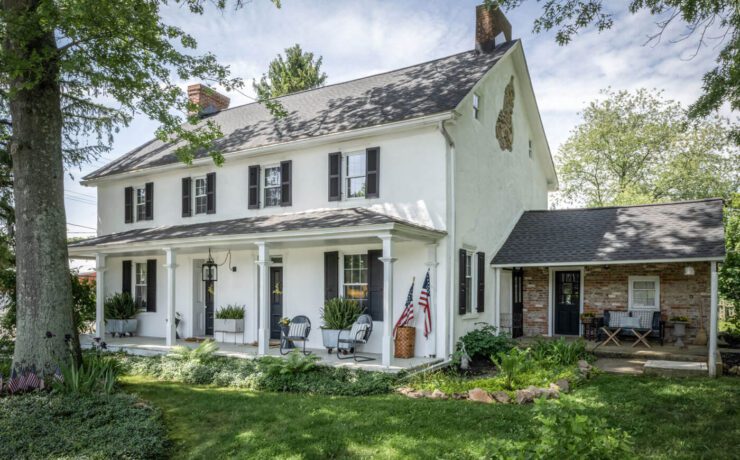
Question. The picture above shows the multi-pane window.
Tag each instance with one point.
(200, 195)
(355, 278)
(141, 203)
(140, 285)
(272, 186)
(469, 266)
(530, 148)
(644, 292)
(476, 105)
(355, 174)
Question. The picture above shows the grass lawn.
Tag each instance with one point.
(680, 418)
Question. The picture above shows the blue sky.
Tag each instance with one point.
(358, 38)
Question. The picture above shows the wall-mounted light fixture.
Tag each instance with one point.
(209, 270)
(688, 270)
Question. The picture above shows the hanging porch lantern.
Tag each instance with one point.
(209, 270)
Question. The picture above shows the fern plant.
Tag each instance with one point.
(295, 363)
(340, 313)
(202, 353)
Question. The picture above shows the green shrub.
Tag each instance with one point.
(53, 425)
(340, 313)
(120, 306)
(204, 352)
(96, 374)
(511, 365)
(482, 343)
(560, 352)
(231, 312)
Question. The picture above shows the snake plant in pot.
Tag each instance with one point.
(338, 314)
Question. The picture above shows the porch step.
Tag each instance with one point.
(675, 368)
(656, 353)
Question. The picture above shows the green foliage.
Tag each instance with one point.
(729, 273)
(203, 353)
(638, 148)
(559, 352)
(482, 343)
(230, 312)
(295, 363)
(97, 374)
(120, 306)
(340, 313)
(706, 22)
(91, 426)
(511, 365)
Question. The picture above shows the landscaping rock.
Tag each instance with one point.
(564, 385)
(526, 395)
(459, 396)
(479, 395)
(416, 394)
(501, 397)
(437, 394)
(404, 390)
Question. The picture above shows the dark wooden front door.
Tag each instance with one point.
(517, 303)
(567, 302)
(210, 286)
(276, 301)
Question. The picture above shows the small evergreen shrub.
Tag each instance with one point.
(482, 343)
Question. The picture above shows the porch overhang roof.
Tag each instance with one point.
(689, 231)
(332, 224)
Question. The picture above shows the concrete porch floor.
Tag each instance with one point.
(152, 346)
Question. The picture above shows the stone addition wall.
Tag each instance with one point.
(607, 288)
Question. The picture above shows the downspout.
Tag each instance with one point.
(451, 235)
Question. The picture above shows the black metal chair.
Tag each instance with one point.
(297, 331)
(358, 335)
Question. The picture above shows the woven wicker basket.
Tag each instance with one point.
(405, 340)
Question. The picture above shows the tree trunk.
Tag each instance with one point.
(45, 331)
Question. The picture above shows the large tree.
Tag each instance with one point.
(637, 147)
(710, 25)
(73, 70)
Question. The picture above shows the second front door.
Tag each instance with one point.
(276, 301)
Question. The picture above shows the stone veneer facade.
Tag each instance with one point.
(606, 288)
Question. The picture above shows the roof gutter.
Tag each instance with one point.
(430, 120)
(611, 262)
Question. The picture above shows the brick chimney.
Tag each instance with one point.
(209, 100)
(488, 24)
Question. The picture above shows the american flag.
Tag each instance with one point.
(424, 297)
(58, 377)
(408, 312)
(14, 382)
(32, 379)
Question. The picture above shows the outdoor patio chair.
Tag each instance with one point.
(297, 331)
(358, 335)
(650, 326)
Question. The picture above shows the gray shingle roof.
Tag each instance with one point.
(690, 229)
(311, 220)
(420, 90)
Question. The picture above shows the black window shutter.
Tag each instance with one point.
(286, 179)
(151, 285)
(187, 200)
(372, 172)
(149, 204)
(481, 281)
(211, 193)
(335, 176)
(331, 275)
(126, 278)
(462, 300)
(253, 199)
(375, 285)
(128, 205)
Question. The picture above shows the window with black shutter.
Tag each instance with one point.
(331, 275)
(126, 270)
(151, 285)
(149, 203)
(253, 198)
(462, 288)
(372, 172)
(335, 176)
(286, 179)
(211, 193)
(375, 284)
(187, 200)
(481, 297)
(128, 205)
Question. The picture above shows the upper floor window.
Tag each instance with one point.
(530, 148)
(476, 106)
(200, 195)
(272, 186)
(355, 174)
(140, 203)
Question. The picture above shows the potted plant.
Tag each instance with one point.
(338, 314)
(679, 328)
(229, 319)
(120, 314)
(587, 317)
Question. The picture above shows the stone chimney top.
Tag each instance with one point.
(489, 22)
(209, 100)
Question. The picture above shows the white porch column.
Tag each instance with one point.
(100, 295)
(713, 312)
(388, 261)
(497, 299)
(170, 264)
(263, 332)
(432, 266)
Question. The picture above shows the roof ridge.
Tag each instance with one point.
(668, 203)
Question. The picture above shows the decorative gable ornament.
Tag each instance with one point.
(504, 122)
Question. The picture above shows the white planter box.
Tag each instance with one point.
(228, 325)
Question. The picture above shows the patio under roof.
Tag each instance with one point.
(670, 232)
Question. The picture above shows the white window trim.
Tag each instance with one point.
(195, 195)
(263, 188)
(476, 106)
(137, 284)
(632, 280)
(473, 313)
(341, 270)
(136, 202)
(345, 177)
